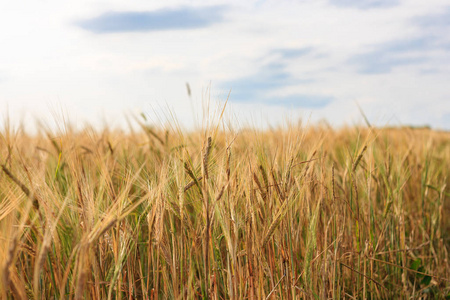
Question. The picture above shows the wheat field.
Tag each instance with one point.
(296, 212)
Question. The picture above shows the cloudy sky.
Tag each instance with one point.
(311, 59)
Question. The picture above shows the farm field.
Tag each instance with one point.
(300, 212)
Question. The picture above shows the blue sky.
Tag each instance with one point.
(94, 61)
(365, 4)
(178, 18)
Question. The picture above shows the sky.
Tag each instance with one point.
(316, 60)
